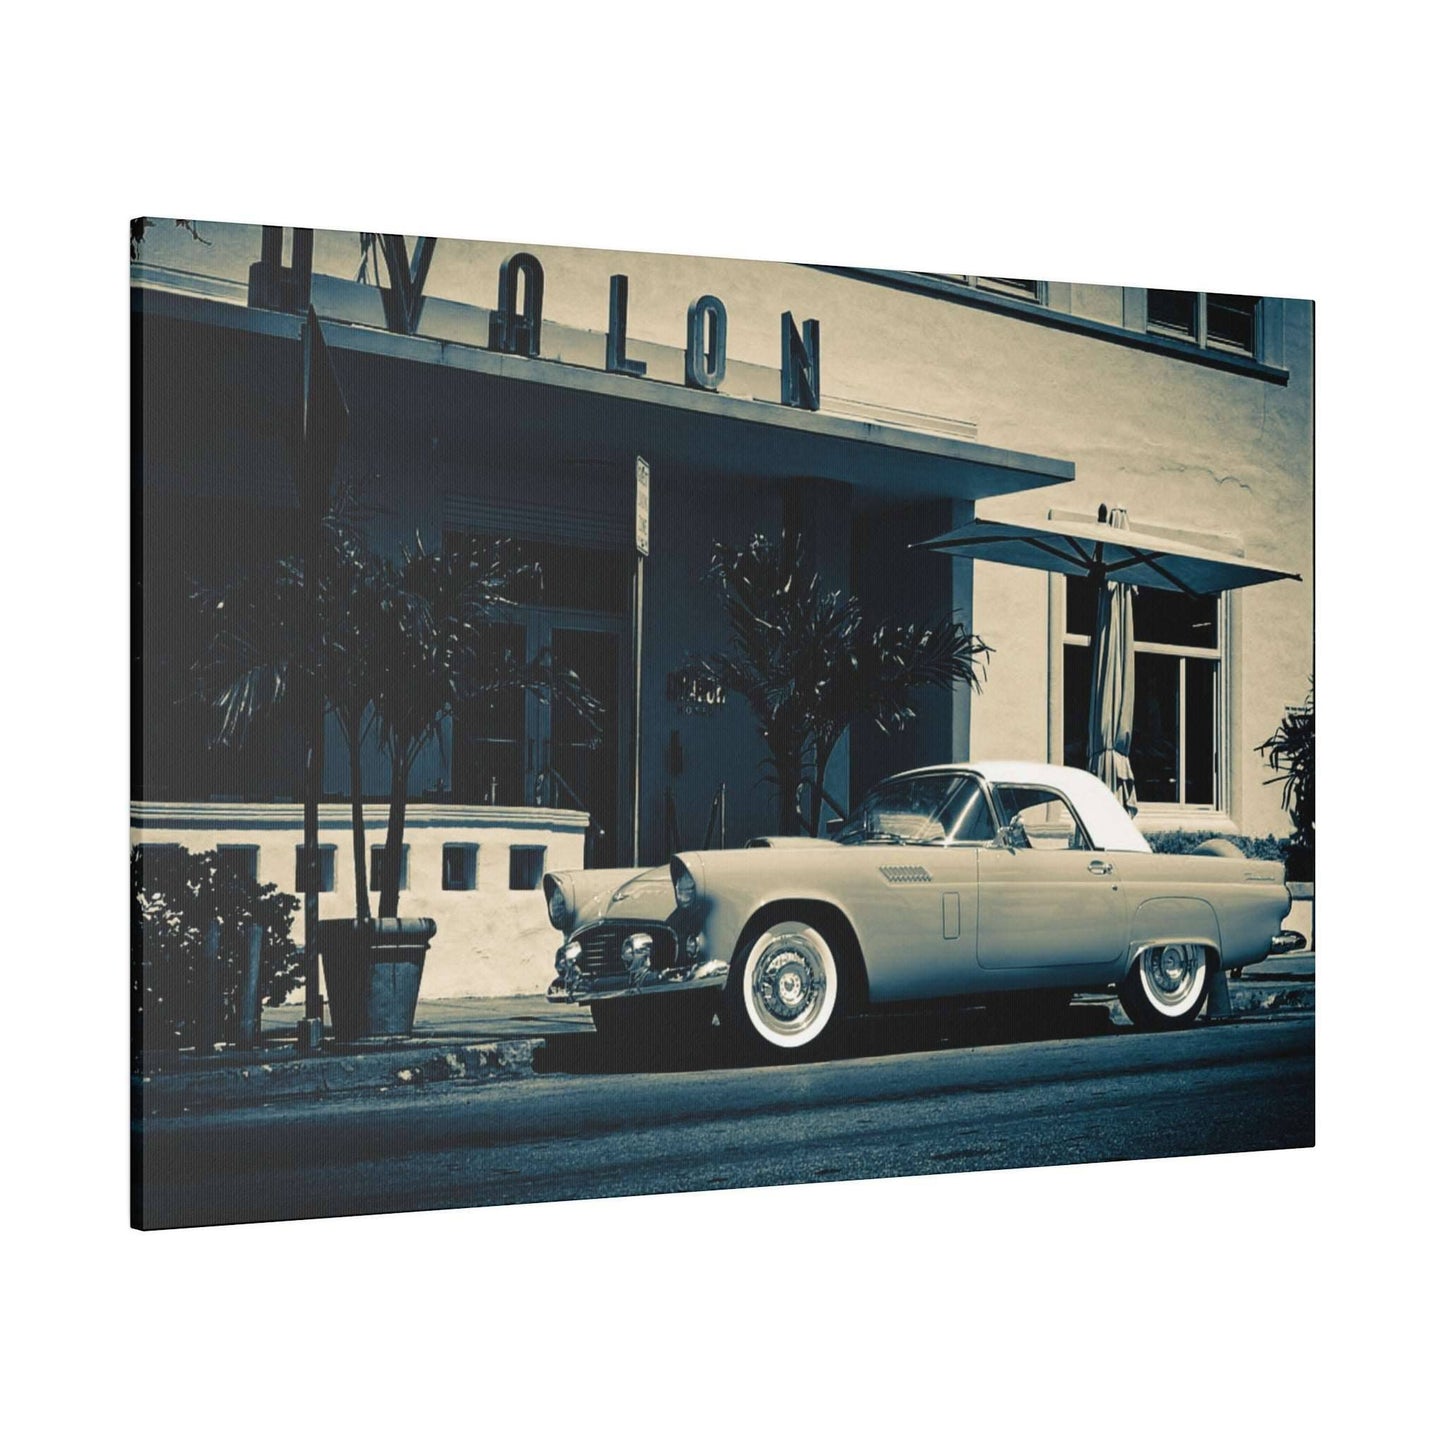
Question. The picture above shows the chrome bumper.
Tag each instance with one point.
(574, 985)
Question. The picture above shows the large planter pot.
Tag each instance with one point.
(373, 974)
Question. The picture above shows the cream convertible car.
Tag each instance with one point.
(971, 882)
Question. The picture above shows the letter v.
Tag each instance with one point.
(402, 300)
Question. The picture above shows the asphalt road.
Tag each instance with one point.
(1117, 1094)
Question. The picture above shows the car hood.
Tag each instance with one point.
(621, 894)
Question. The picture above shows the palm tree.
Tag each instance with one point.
(810, 668)
(433, 651)
(259, 647)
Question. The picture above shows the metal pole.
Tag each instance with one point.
(208, 1015)
(309, 1032)
(637, 713)
(248, 1029)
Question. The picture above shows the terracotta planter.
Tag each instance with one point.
(373, 974)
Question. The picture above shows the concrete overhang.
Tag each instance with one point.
(538, 413)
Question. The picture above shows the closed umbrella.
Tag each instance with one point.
(1111, 689)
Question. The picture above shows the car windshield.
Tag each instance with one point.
(921, 809)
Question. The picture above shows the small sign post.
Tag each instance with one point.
(643, 525)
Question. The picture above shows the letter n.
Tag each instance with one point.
(802, 384)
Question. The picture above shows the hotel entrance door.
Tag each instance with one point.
(516, 749)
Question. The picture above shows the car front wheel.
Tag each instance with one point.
(1167, 985)
(784, 1001)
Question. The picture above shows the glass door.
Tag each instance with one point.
(581, 757)
(516, 749)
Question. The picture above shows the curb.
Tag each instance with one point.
(159, 1095)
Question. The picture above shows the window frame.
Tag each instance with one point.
(535, 856)
(997, 286)
(468, 852)
(373, 868)
(1049, 794)
(248, 855)
(327, 859)
(1198, 333)
(1160, 816)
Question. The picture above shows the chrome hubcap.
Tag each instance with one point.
(1171, 970)
(789, 985)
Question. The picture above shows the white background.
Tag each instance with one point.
(1210, 147)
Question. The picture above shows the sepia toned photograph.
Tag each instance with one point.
(613, 723)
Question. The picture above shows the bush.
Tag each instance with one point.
(1290, 752)
(174, 895)
(1269, 850)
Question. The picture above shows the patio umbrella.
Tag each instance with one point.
(1115, 559)
(1105, 553)
(1111, 685)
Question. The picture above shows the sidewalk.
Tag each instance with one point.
(483, 1039)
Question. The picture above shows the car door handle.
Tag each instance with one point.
(1100, 867)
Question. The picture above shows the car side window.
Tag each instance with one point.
(1047, 819)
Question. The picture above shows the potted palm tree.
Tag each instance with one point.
(403, 646)
(420, 654)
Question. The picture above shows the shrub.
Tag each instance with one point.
(1270, 849)
(174, 895)
(1290, 752)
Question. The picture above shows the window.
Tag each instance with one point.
(162, 866)
(459, 867)
(1046, 818)
(377, 851)
(326, 857)
(239, 859)
(1221, 321)
(529, 862)
(1177, 693)
(1014, 286)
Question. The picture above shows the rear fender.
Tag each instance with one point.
(1173, 920)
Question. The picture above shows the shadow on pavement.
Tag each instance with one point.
(879, 1035)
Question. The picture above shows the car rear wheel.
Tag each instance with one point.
(784, 999)
(1167, 985)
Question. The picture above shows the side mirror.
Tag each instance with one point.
(1011, 836)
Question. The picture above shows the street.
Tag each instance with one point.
(589, 1131)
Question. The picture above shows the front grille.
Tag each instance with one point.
(602, 947)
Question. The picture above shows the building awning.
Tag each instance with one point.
(1105, 553)
(537, 414)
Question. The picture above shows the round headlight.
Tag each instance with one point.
(559, 910)
(684, 888)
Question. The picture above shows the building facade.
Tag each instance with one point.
(509, 391)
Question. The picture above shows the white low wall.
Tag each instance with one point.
(491, 941)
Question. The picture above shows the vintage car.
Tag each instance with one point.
(976, 882)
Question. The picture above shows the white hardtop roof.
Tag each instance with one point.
(1110, 827)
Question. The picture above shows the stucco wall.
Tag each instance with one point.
(490, 941)
(1175, 442)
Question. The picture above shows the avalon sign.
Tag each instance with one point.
(517, 327)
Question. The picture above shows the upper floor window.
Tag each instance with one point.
(1014, 286)
(1219, 320)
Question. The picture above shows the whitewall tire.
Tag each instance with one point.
(785, 997)
(1167, 985)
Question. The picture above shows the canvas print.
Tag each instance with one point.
(612, 723)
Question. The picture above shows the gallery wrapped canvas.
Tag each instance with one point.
(613, 723)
